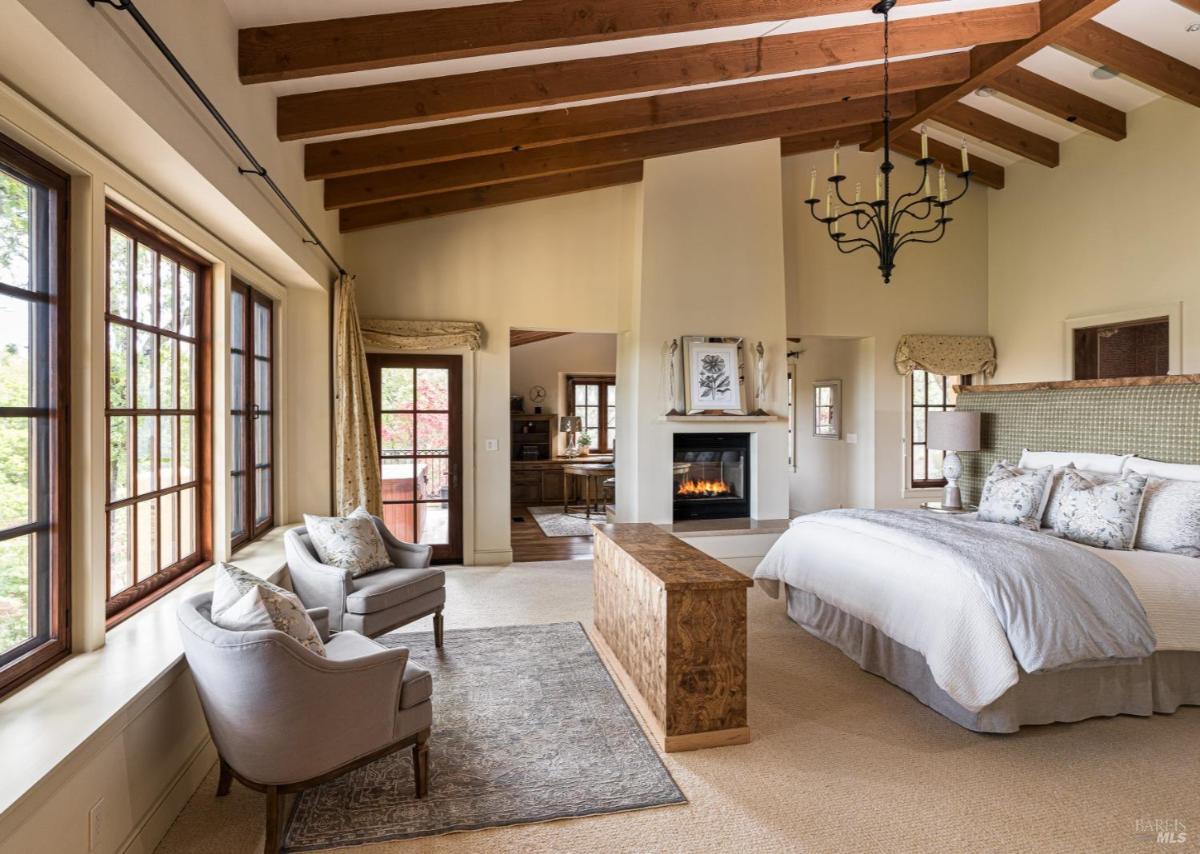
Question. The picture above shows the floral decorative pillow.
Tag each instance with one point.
(1171, 517)
(1058, 491)
(1104, 515)
(243, 602)
(349, 542)
(1015, 496)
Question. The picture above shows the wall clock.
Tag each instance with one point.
(537, 395)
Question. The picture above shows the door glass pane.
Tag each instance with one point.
(187, 373)
(237, 382)
(433, 433)
(187, 301)
(433, 388)
(262, 329)
(396, 388)
(167, 272)
(239, 443)
(262, 440)
(433, 477)
(239, 504)
(15, 379)
(16, 200)
(262, 384)
(399, 520)
(147, 538)
(396, 432)
(168, 551)
(120, 556)
(16, 476)
(237, 320)
(147, 299)
(166, 451)
(120, 294)
(120, 390)
(118, 457)
(146, 430)
(187, 424)
(434, 522)
(187, 522)
(166, 373)
(147, 350)
(262, 496)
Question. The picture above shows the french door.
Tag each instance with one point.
(418, 421)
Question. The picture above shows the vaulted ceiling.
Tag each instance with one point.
(410, 109)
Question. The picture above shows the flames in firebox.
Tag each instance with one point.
(703, 488)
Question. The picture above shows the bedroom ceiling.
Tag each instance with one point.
(445, 106)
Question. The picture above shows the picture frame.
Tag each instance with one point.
(713, 375)
(827, 409)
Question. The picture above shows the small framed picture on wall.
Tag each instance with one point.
(827, 409)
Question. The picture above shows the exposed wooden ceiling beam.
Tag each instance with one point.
(1057, 17)
(455, 201)
(987, 128)
(983, 171)
(1139, 61)
(1057, 100)
(498, 168)
(518, 337)
(311, 48)
(313, 114)
(823, 140)
(1190, 5)
(439, 143)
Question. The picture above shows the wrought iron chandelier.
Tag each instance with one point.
(880, 224)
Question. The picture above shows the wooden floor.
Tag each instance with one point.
(530, 544)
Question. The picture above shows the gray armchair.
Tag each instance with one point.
(374, 603)
(284, 719)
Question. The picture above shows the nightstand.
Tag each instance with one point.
(936, 507)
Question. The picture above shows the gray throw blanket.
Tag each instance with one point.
(1061, 605)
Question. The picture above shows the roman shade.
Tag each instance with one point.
(949, 355)
(394, 336)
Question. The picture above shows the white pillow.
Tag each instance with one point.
(1171, 517)
(1057, 491)
(245, 603)
(349, 542)
(1014, 496)
(1103, 515)
(1099, 463)
(1167, 471)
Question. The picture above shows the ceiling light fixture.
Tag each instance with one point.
(880, 223)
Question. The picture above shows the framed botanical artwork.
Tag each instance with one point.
(712, 375)
(827, 409)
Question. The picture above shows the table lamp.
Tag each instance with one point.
(570, 424)
(952, 432)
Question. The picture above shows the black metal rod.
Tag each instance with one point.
(257, 167)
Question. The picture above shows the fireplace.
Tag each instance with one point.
(711, 475)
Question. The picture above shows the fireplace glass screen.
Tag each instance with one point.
(711, 475)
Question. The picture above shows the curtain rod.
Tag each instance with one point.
(257, 167)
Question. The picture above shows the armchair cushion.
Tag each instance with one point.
(243, 602)
(352, 543)
(382, 590)
(416, 685)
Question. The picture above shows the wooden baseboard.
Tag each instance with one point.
(668, 743)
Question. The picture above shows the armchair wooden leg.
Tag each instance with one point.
(421, 763)
(438, 628)
(271, 846)
(224, 780)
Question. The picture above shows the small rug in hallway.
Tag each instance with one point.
(527, 727)
(555, 523)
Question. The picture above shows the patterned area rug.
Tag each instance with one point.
(555, 523)
(527, 726)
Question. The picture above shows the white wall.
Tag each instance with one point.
(940, 289)
(1114, 227)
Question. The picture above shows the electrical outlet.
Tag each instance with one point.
(95, 825)
(491, 444)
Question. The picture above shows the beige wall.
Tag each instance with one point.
(1115, 227)
(548, 363)
(935, 289)
(552, 264)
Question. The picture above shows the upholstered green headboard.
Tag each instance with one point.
(1154, 417)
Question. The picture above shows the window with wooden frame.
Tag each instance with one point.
(594, 401)
(251, 370)
(928, 393)
(158, 413)
(34, 479)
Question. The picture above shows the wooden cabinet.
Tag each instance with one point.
(540, 482)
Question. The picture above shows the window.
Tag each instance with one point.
(594, 401)
(1138, 348)
(158, 464)
(928, 393)
(34, 595)
(251, 325)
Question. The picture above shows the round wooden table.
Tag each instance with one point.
(593, 475)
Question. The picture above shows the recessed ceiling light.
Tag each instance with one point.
(1104, 72)
(985, 91)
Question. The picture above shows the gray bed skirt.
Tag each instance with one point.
(1162, 683)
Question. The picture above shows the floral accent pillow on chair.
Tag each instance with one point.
(244, 603)
(1015, 496)
(349, 542)
(1104, 515)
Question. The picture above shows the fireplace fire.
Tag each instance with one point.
(711, 475)
(704, 488)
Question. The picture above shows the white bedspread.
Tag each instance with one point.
(941, 613)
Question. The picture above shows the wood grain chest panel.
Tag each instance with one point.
(674, 620)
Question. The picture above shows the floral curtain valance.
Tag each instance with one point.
(946, 354)
(398, 335)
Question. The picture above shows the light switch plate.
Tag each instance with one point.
(491, 444)
(851, 438)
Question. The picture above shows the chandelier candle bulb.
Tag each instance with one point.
(966, 163)
(942, 184)
(828, 202)
(812, 183)
(836, 150)
(924, 143)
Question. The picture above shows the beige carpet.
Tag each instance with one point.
(841, 761)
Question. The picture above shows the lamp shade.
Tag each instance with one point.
(953, 431)
(569, 424)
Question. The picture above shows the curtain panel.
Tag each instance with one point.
(946, 354)
(395, 336)
(357, 478)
